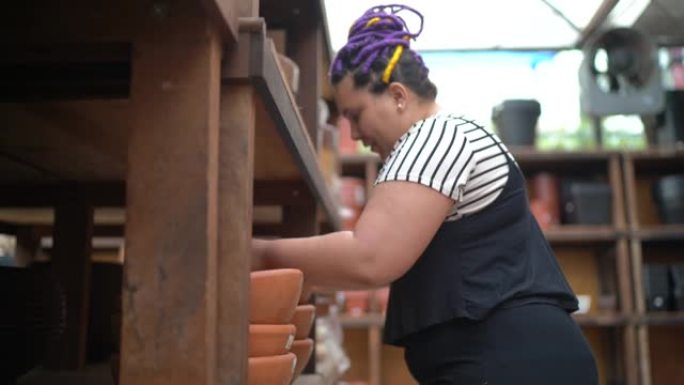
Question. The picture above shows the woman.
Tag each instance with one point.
(476, 294)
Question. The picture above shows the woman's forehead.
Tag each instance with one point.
(347, 95)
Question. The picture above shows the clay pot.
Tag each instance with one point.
(307, 293)
(542, 213)
(303, 319)
(302, 349)
(356, 302)
(274, 295)
(382, 298)
(271, 370)
(270, 340)
(547, 190)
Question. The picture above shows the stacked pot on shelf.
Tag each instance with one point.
(279, 326)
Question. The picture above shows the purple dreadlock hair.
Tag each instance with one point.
(378, 53)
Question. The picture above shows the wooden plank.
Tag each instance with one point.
(629, 179)
(617, 189)
(35, 21)
(631, 355)
(644, 356)
(169, 293)
(280, 106)
(304, 46)
(236, 170)
(226, 14)
(375, 355)
(637, 261)
(71, 262)
(78, 140)
(102, 194)
(596, 22)
(624, 276)
(35, 72)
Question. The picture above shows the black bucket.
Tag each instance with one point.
(516, 121)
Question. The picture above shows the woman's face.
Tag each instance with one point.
(374, 118)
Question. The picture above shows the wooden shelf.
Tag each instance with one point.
(378, 320)
(363, 321)
(662, 318)
(660, 233)
(582, 234)
(601, 319)
(657, 161)
(259, 65)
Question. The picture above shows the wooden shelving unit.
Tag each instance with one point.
(594, 257)
(178, 114)
(652, 241)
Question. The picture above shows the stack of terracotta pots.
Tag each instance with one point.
(279, 325)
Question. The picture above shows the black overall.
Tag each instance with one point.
(487, 303)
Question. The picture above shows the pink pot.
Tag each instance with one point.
(274, 295)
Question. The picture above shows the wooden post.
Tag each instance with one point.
(236, 175)
(71, 262)
(375, 354)
(169, 292)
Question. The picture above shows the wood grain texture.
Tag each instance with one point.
(169, 292)
(235, 197)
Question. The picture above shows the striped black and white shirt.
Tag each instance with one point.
(454, 156)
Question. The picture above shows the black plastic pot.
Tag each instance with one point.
(586, 202)
(516, 121)
(668, 195)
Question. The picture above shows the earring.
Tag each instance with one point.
(400, 106)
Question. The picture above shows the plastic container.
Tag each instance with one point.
(668, 195)
(516, 121)
(586, 203)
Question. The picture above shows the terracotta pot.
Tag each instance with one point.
(540, 210)
(356, 302)
(382, 298)
(274, 295)
(270, 340)
(307, 293)
(303, 320)
(302, 349)
(272, 370)
(547, 190)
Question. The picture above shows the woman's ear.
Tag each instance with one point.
(399, 93)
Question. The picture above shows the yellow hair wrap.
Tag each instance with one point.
(372, 21)
(393, 62)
